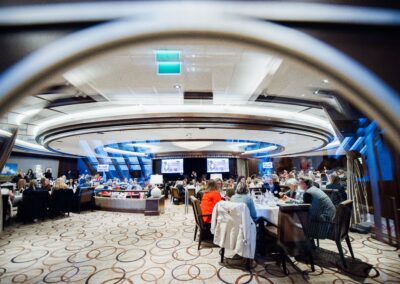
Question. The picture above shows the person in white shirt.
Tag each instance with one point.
(293, 194)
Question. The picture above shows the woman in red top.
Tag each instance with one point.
(210, 197)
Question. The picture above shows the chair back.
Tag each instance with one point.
(292, 223)
(61, 201)
(342, 219)
(34, 204)
(197, 212)
(175, 192)
(191, 192)
(86, 195)
(233, 228)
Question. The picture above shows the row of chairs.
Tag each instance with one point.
(39, 204)
(178, 198)
(290, 236)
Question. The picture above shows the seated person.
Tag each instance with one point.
(21, 185)
(293, 194)
(33, 185)
(181, 190)
(219, 184)
(242, 196)
(59, 184)
(338, 192)
(276, 187)
(148, 187)
(45, 184)
(313, 178)
(210, 197)
(322, 210)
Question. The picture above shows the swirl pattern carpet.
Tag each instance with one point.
(108, 247)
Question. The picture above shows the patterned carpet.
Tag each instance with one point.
(106, 247)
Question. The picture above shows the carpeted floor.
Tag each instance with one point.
(107, 247)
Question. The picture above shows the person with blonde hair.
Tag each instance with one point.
(211, 196)
(59, 184)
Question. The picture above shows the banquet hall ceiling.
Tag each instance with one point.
(224, 92)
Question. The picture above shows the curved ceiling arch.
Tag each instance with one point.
(360, 86)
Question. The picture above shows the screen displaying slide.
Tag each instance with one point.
(217, 165)
(172, 166)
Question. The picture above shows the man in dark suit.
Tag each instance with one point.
(322, 210)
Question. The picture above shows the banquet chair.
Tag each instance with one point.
(176, 197)
(191, 192)
(234, 229)
(290, 235)
(61, 202)
(204, 230)
(341, 225)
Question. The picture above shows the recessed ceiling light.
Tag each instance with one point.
(326, 81)
(303, 95)
(177, 86)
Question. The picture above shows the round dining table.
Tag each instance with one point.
(270, 212)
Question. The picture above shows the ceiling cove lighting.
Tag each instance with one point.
(261, 150)
(193, 145)
(25, 115)
(24, 144)
(117, 112)
(142, 145)
(123, 152)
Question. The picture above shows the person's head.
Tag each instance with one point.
(48, 171)
(219, 183)
(242, 188)
(33, 184)
(30, 172)
(241, 179)
(292, 183)
(211, 185)
(334, 179)
(21, 184)
(59, 184)
(305, 183)
(275, 178)
(44, 182)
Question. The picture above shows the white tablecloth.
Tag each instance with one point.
(269, 212)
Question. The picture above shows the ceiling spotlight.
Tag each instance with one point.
(326, 81)
(303, 95)
(177, 86)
